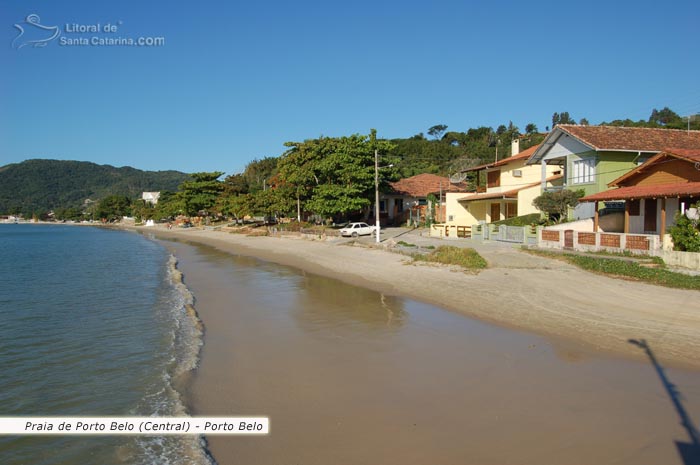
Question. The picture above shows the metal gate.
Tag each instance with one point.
(511, 234)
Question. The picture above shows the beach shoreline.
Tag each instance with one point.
(579, 312)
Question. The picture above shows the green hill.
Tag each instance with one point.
(37, 186)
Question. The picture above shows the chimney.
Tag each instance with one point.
(515, 147)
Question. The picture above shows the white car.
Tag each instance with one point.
(357, 229)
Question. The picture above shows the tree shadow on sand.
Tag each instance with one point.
(689, 451)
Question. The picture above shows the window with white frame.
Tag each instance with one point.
(583, 171)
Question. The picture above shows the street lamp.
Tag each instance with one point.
(377, 229)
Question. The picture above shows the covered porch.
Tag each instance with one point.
(648, 209)
(491, 207)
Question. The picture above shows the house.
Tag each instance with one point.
(409, 200)
(654, 191)
(506, 189)
(150, 197)
(591, 157)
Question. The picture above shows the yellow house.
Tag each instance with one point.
(510, 187)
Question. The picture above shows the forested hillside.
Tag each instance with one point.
(37, 186)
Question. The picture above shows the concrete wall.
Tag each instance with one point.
(690, 260)
(586, 241)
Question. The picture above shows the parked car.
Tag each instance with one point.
(357, 229)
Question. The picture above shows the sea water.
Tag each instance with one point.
(93, 322)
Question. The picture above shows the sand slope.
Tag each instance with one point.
(580, 310)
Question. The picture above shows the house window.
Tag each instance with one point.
(634, 207)
(382, 206)
(493, 179)
(583, 171)
(642, 159)
(399, 205)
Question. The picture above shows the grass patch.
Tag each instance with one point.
(468, 259)
(628, 254)
(627, 269)
(405, 244)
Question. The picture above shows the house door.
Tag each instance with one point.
(511, 210)
(650, 216)
(495, 212)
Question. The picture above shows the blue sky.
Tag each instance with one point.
(234, 81)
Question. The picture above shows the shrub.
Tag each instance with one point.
(686, 233)
(450, 255)
(556, 204)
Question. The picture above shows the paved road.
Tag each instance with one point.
(497, 254)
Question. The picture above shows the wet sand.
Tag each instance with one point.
(585, 312)
(350, 375)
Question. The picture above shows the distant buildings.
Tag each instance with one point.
(150, 197)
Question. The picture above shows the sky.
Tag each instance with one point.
(233, 81)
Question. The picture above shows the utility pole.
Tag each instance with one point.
(376, 195)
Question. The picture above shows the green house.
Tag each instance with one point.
(593, 156)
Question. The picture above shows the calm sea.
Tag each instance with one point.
(93, 322)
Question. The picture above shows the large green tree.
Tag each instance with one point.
(333, 176)
(199, 194)
(113, 207)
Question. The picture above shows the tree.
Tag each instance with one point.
(583, 122)
(257, 173)
(236, 206)
(437, 130)
(235, 184)
(71, 213)
(562, 118)
(556, 204)
(665, 117)
(113, 208)
(531, 128)
(142, 210)
(512, 132)
(169, 205)
(686, 231)
(333, 175)
(200, 193)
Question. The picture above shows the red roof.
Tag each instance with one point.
(421, 185)
(525, 154)
(620, 139)
(633, 139)
(690, 155)
(691, 189)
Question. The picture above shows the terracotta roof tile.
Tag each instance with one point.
(633, 139)
(691, 155)
(525, 154)
(645, 192)
(421, 185)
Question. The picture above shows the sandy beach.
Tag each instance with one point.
(583, 312)
(338, 350)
